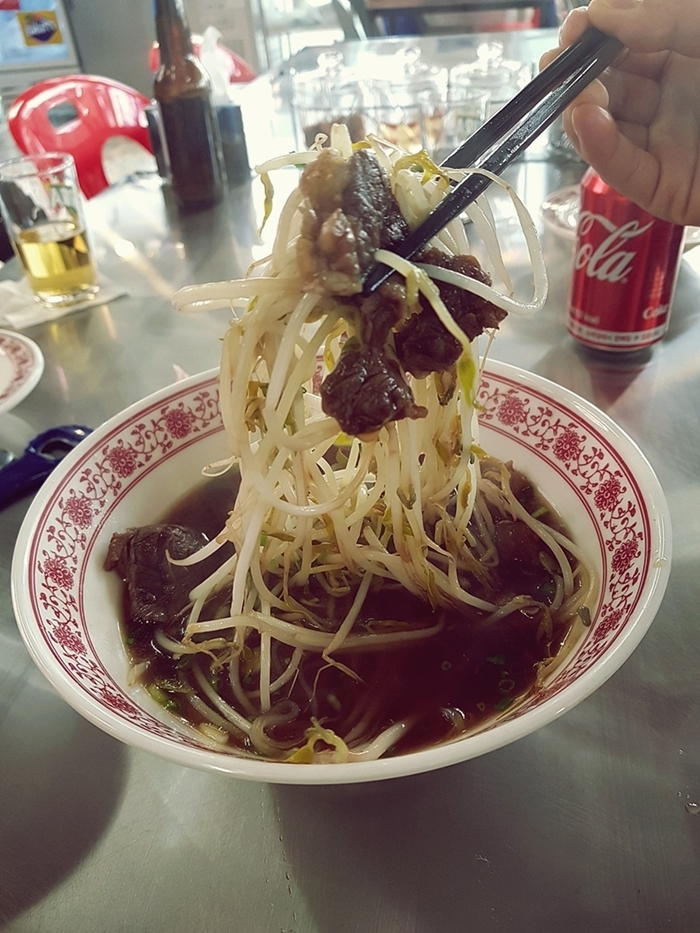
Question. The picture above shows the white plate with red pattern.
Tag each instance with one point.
(130, 471)
(21, 368)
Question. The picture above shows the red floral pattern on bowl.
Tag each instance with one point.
(608, 492)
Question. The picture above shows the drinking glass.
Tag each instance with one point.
(42, 208)
(407, 94)
(331, 93)
(501, 78)
(448, 123)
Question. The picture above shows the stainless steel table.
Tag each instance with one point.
(589, 824)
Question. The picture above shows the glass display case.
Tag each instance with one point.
(286, 26)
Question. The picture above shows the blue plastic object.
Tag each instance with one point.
(41, 455)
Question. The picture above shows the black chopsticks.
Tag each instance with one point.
(523, 118)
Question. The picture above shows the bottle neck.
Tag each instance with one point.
(172, 31)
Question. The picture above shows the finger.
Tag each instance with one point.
(577, 21)
(618, 160)
(631, 98)
(637, 133)
(570, 131)
(573, 26)
(571, 30)
(549, 57)
(646, 64)
(650, 25)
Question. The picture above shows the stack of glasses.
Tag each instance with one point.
(408, 102)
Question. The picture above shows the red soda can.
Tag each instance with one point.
(625, 270)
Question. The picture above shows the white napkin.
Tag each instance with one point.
(19, 309)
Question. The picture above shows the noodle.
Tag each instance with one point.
(330, 532)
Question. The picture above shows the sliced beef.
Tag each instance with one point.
(381, 312)
(157, 590)
(367, 390)
(349, 213)
(423, 345)
(370, 204)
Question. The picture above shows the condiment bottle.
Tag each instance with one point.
(183, 91)
(625, 268)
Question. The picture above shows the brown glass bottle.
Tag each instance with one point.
(183, 92)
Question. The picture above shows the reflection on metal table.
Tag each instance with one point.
(587, 824)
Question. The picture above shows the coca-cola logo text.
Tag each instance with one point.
(650, 313)
(611, 260)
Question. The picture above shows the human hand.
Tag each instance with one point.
(639, 124)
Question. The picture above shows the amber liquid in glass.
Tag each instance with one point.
(56, 260)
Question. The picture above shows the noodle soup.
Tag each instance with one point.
(380, 583)
(67, 606)
(468, 670)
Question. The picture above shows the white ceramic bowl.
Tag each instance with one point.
(129, 471)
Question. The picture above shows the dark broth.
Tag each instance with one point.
(448, 684)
